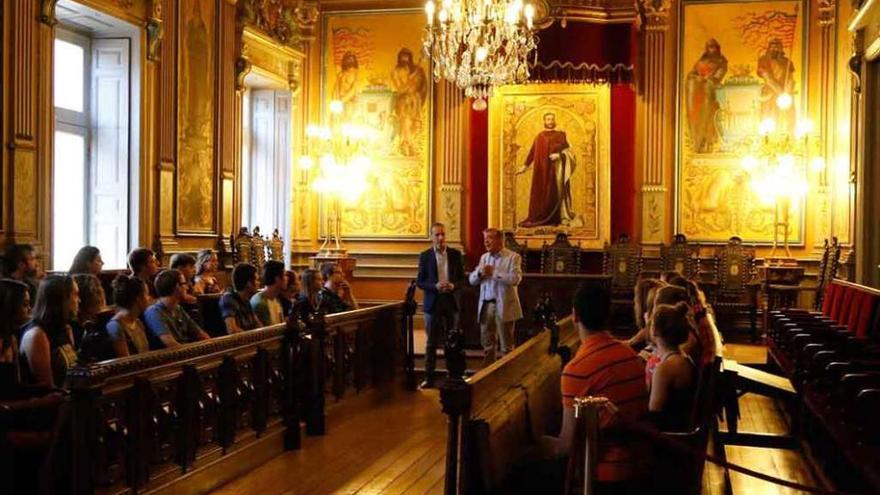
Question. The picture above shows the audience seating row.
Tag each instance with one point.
(832, 357)
(191, 418)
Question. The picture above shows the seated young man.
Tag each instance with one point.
(235, 306)
(20, 264)
(267, 302)
(336, 295)
(167, 322)
(186, 264)
(605, 367)
(143, 264)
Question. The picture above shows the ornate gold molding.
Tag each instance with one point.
(243, 67)
(47, 12)
(595, 11)
(155, 31)
(654, 14)
(289, 22)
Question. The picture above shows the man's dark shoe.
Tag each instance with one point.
(427, 383)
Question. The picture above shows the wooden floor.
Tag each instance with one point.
(376, 443)
(393, 442)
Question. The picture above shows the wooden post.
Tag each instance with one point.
(315, 424)
(455, 397)
(586, 413)
(84, 440)
(409, 361)
(291, 350)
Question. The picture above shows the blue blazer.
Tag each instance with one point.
(428, 278)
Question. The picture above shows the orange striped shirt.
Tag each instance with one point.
(607, 368)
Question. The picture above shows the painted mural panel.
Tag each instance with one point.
(735, 60)
(374, 65)
(195, 125)
(550, 145)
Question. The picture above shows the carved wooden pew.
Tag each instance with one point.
(497, 413)
(191, 418)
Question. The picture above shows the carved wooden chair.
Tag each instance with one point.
(520, 249)
(242, 246)
(258, 254)
(622, 261)
(276, 247)
(561, 256)
(735, 288)
(681, 256)
(828, 268)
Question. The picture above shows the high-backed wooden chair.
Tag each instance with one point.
(827, 270)
(242, 246)
(561, 256)
(734, 290)
(680, 256)
(622, 261)
(511, 243)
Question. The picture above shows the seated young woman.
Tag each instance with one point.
(705, 343)
(307, 301)
(673, 382)
(87, 260)
(126, 330)
(47, 351)
(91, 301)
(669, 295)
(15, 310)
(205, 281)
(643, 303)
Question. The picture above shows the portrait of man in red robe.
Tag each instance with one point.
(552, 166)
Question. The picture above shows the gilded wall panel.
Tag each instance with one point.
(24, 193)
(166, 202)
(383, 81)
(735, 60)
(197, 52)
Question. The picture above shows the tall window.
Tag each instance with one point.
(92, 134)
(266, 162)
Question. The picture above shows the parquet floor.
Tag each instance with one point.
(394, 443)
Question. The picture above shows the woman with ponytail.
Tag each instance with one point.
(674, 379)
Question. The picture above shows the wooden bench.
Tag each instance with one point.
(498, 412)
(189, 419)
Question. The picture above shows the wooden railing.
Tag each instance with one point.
(191, 418)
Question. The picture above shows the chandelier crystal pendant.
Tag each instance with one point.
(480, 44)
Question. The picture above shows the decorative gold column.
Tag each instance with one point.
(655, 121)
(451, 129)
(824, 193)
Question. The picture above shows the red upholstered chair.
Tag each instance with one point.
(837, 303)
(831, 294)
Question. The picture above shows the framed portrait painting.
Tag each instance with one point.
(736, 62)
(383, 81)
(549, 163)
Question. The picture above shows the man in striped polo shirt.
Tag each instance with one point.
(605, 367)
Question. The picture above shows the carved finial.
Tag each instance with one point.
(827, 11)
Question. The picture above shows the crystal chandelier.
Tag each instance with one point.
(480, 44)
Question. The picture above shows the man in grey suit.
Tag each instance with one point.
(498, 274)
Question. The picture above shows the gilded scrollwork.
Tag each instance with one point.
(290, 22)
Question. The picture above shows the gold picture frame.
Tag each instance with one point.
(572, 164)
(381, 91)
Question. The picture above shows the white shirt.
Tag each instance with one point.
(442, 258)
(501, 286)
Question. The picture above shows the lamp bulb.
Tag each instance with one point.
(784, 101)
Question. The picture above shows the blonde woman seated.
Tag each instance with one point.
(206, 273)
(673, 382)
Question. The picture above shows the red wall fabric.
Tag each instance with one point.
(477, 187)
(623, 186)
